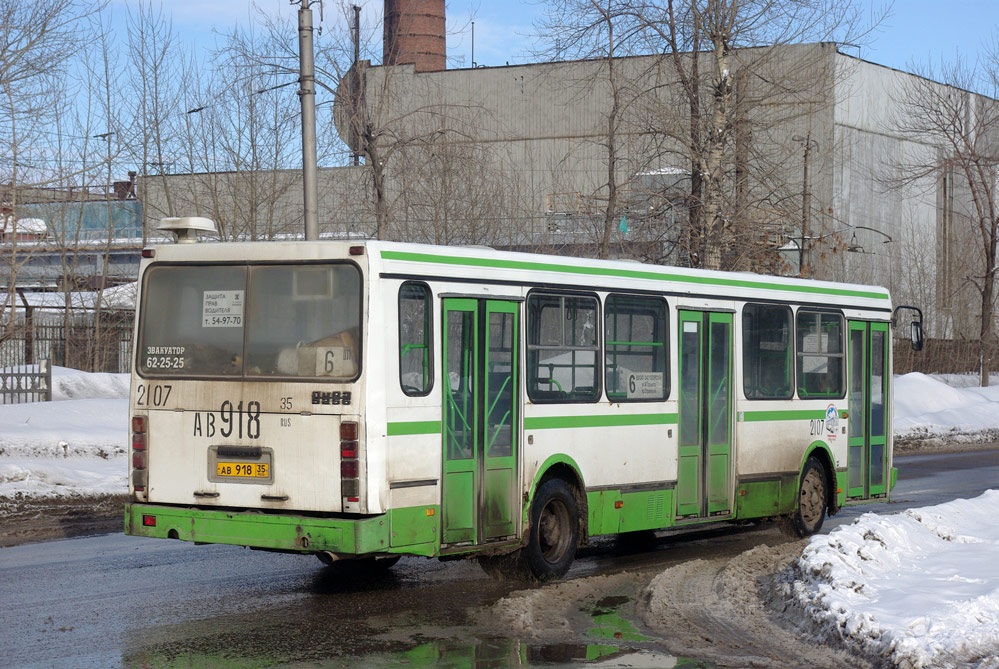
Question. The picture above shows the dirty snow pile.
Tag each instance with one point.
(945, 406)
(74, 445)
(919, 588)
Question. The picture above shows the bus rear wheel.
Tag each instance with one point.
(554, 531)
(810, 511)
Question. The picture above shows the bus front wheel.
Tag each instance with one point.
(810, 511)
(554, 532)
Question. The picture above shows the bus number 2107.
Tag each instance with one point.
(155, 395)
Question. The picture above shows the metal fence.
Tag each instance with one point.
(26, 383)
(80, 341)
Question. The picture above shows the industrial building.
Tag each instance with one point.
(517, 157)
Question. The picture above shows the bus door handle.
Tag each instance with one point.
(198, 493)
(275, 498)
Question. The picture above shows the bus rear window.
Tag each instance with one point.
(256, 321)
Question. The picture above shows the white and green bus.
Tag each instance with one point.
(365, 400)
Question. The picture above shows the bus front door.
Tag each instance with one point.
(867, 460)
(704, 476)
(480, 420)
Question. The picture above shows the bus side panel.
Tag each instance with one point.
(612, 458)
(773, 442)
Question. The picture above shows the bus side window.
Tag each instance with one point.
(415, 361)
(635, 354)
(766, 346)
(562, 348)
(820, 354)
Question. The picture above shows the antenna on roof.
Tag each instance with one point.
(186, 228)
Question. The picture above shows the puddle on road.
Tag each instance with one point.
(411, 633)
(620, 644)
(616, 642)
(495, 653)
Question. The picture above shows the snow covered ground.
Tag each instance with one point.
(72, 446)
(919, 587)
(946, 407)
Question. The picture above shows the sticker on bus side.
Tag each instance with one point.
(334, 361)
(222, 309)
(645, 385)
(832, 422)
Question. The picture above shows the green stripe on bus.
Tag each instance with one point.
(414, 427)
(623, 273)
(802, 414)
(550, 422)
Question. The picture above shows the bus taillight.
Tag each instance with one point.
(349, 466)
(139, 475)
(348, 449)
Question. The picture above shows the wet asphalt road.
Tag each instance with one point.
(115, 600)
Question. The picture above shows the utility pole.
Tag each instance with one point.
(804, 257)
(355, 85)
(307, 95)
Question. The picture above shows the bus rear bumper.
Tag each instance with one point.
(304, 534)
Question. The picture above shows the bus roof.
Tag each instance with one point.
(491, 265)
(479, 264)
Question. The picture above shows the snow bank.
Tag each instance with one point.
(920, 588)
(74, 445)
(926, 406)
(47, 477)
(70, 384)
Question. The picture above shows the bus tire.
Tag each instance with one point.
(554, 531)
(813, 499)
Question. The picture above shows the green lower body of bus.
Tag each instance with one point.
(412, 531)
(416, 530)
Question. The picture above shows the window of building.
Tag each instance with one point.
(766, 352)
(415, 359)
(562, 348)
(635, 351)
(820, 354)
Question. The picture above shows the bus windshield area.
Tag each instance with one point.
(251, 321)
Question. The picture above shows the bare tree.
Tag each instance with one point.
(604, 30)
(155, 64)
(449, 193)
(962, 128)
(723, 81)
(37, 38)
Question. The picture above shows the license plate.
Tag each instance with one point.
(250, 470)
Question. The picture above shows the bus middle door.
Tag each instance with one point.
(481, 419)
(867, 459)
(703, 486)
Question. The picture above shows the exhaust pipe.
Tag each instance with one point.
(327, 557)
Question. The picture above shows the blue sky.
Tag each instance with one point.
(917, 30)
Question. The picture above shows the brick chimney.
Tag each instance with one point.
(414, 34)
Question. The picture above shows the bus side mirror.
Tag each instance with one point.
(916, 335)
(915, 325)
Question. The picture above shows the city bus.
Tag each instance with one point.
(365, 400)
